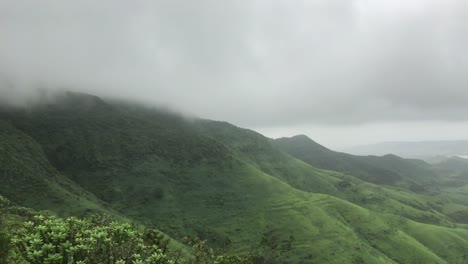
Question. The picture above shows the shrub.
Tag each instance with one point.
(49, 239)
(53, 240)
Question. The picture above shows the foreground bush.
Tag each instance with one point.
(53, 240)
(48, 239)
(29, 237)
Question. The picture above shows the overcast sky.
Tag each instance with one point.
(344, 72)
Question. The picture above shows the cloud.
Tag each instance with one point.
(251, 62)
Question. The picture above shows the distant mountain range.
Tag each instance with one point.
(422, 150)
(388, 169)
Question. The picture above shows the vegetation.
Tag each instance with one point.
(71, 240)
(243, 195)
(386, 170)
(40, 238)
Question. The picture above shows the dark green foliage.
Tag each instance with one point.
(27, 177)
(5, 243)
(4, 247)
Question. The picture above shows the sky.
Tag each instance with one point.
(343, 72)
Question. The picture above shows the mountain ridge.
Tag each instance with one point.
(391, 168)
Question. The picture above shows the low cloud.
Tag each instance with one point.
(255, 63)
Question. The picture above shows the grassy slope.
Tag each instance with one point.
(421, 192)
(27, 177)
(388, 170)
(257, 150)
(212, 180)
(424, 206)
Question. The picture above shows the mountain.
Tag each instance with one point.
(421, 150)
(387, 170)
(231, 186)
(445, 181)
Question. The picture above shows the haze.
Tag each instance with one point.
(344, 72)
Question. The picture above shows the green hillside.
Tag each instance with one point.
(27, 177)
(231, 186)
(434, 193)
(387, 170)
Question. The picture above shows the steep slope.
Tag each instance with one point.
(228, 185)
(388, 170)
(27, 177)
(258, 150)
